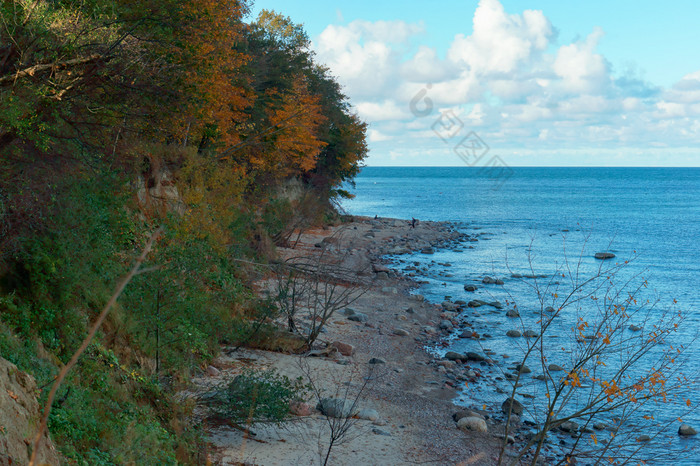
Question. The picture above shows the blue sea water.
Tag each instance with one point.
(544, 220)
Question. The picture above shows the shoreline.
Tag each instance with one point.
(412, 398)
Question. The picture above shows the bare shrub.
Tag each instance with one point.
(620, 360)
(310, 289)
(340, 404)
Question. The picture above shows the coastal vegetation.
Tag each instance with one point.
(122, 118)
(604, 381)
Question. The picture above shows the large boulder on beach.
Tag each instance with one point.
(466, 413)
(336, 407)
(472, 423)
(686, 430)
(604, 255)
(512, 405)
(358, 317)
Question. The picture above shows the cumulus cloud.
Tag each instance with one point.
(510, 79)
(501, 42)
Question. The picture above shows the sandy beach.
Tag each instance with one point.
(406, 414)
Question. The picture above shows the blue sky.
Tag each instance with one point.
(539, 82)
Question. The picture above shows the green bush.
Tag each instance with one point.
(256, 396)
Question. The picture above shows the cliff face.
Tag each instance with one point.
(19, 418)
(157, 194)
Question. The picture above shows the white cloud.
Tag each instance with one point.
(581, 69)
(510, 80)
(380, 111)
(501, 42)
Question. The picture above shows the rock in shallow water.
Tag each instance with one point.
(686, 430)
(604, 255)
(454, 356)
(515, 406)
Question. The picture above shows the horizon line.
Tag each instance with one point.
(533, 166)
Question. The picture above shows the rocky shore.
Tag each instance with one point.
(405, 414)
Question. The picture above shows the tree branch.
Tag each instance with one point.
(32, 70)
(91, 334)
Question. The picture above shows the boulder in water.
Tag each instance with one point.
(604, 255)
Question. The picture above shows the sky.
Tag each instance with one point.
(515, 82)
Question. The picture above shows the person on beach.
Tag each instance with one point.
(413, 222)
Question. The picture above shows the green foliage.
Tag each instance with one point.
(256, 396)
(89, 91)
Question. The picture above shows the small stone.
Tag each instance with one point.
(299, 408)
(530, 334)
(512, 313)
(555, 368)
(401, 332)
(368, 414)
(376, 268)
(643, 438)
(473, 424)
(343, 348)
(513, 333)
(599, 426)
(380, 432)
(377, 361)
(635, 328)
(445, 325)
(213, 371)
(470, 288)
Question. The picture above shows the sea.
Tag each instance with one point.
(547, 223)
